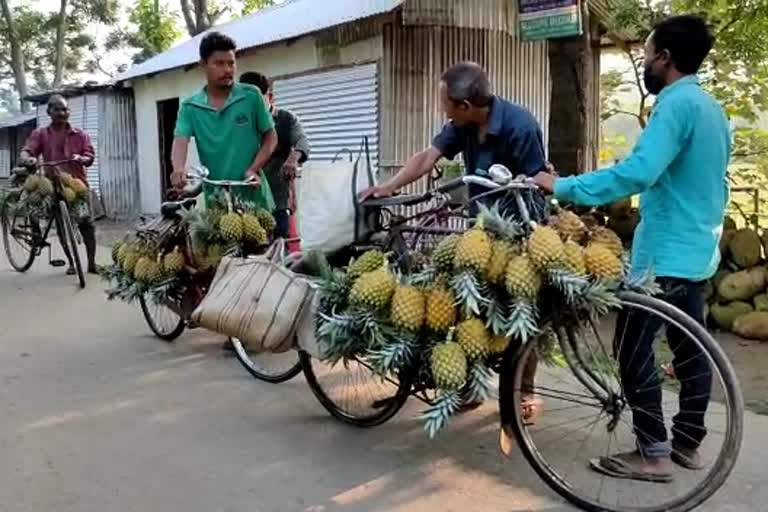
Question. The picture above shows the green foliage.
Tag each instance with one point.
(437, 416)
(154, 30)
(250, 6)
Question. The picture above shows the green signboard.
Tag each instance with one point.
(549, 19)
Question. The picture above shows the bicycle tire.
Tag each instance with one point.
(734, 404)
(68, 237)
(384, 414)
(255, 369)
(163, 335)
(7, 240)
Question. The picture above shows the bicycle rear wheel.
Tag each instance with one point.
(352, 393)
(267, 366)
(19, 238)
(585, 413)
(68, 239)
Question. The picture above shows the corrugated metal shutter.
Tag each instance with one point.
(83, 114)
(5, 154)
(336, 108)
(117, 154)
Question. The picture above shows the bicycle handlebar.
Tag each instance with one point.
(203, 173)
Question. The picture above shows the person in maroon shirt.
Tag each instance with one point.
(61, 141)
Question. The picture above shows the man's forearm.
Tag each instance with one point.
(179, 155)
(268, 146)
(416, 167)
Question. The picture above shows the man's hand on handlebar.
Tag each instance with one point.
(545, 180)
(375, 192)
(28, 161)
(253, 176)
(178, 179)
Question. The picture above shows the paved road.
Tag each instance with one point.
(99, 416)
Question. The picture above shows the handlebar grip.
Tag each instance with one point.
(450, 185)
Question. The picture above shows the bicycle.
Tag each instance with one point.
(169, 319)
(581, 377)
(21, 227)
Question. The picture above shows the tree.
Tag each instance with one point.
(250, 6)
(13, 39)
(154, 30)
(200, 15)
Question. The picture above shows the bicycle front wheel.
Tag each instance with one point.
(584, 414)
(68, 238)
(165, 323)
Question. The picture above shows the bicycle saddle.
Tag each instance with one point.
(169, 209)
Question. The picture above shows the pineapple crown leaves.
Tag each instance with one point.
(422, 279)
(479, 386)
(599, 297)
(437, 416)
(522, 321)
(571, 285)
(549, 351)
(396, 353)
(644, 283)
(503, 227)
(497, 314)
(469, 292)
(337, 335)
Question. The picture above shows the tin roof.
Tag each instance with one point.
(289, 19)
(17, 120)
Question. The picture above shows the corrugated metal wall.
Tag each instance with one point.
(5, 153)
(119, 175)
(336, 108)
(83, 114)
(487, 14)
(415, 57)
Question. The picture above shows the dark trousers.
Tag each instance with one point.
(88, 232)
(282, 216)
(641, 377)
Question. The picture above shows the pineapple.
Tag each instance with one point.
(474, 339)
(573, 258)
(570, 226)
(130, 260)
(444, 253)
(174, 261)
(368, 262)
(602, 262)
(266, 220)
(441, 309)
(122, 252)
(374, 289)
(522, 279)
(213, 256)
(141, 269)
(501, 252)
(31, 183)
(607, 238)
(69, 194)
(545, 248)
(252, 230)
(498, 344)
(473, 249)
(45, 187)
(80, 188)
(449, 365)
(231, 227)
(408, 308)
(116, 252)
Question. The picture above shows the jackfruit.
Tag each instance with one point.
(725, 314)
(745, 248)
(753, 326)
(743, 285)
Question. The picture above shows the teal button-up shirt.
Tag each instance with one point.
(679, 166)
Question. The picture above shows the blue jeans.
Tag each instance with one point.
(282, 216)
(640, 372)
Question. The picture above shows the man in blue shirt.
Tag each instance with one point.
(487, 130)
(679, 166)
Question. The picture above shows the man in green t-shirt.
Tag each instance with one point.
(230, 122)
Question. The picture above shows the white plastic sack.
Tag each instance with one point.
(326, 207)
(305, 331)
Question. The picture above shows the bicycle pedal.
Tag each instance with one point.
(58, 263)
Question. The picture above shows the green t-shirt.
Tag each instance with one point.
(229, 139)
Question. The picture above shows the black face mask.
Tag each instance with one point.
(653, 84)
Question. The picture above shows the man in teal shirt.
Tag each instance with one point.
(679, 166)
(230, 122)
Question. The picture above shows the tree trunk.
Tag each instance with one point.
(17, 56)
(574, 104)
(61, 31)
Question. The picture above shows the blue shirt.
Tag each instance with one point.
(513, 139)
(679, 165)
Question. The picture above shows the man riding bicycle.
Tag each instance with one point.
(231, 124)
(487, 130)
(679, 166)
(61, 141)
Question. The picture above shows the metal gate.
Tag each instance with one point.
(336, 108)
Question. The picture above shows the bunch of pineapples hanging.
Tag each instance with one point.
(478, 291)
(223, 227)
(75, 193)
(37, 195)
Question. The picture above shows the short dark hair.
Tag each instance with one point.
(687, 38)
(215, 42)
(468, 81)
(257, 79)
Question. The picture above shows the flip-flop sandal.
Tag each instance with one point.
(616, 468)
(685, 462)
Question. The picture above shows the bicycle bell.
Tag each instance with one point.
(500, 174)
